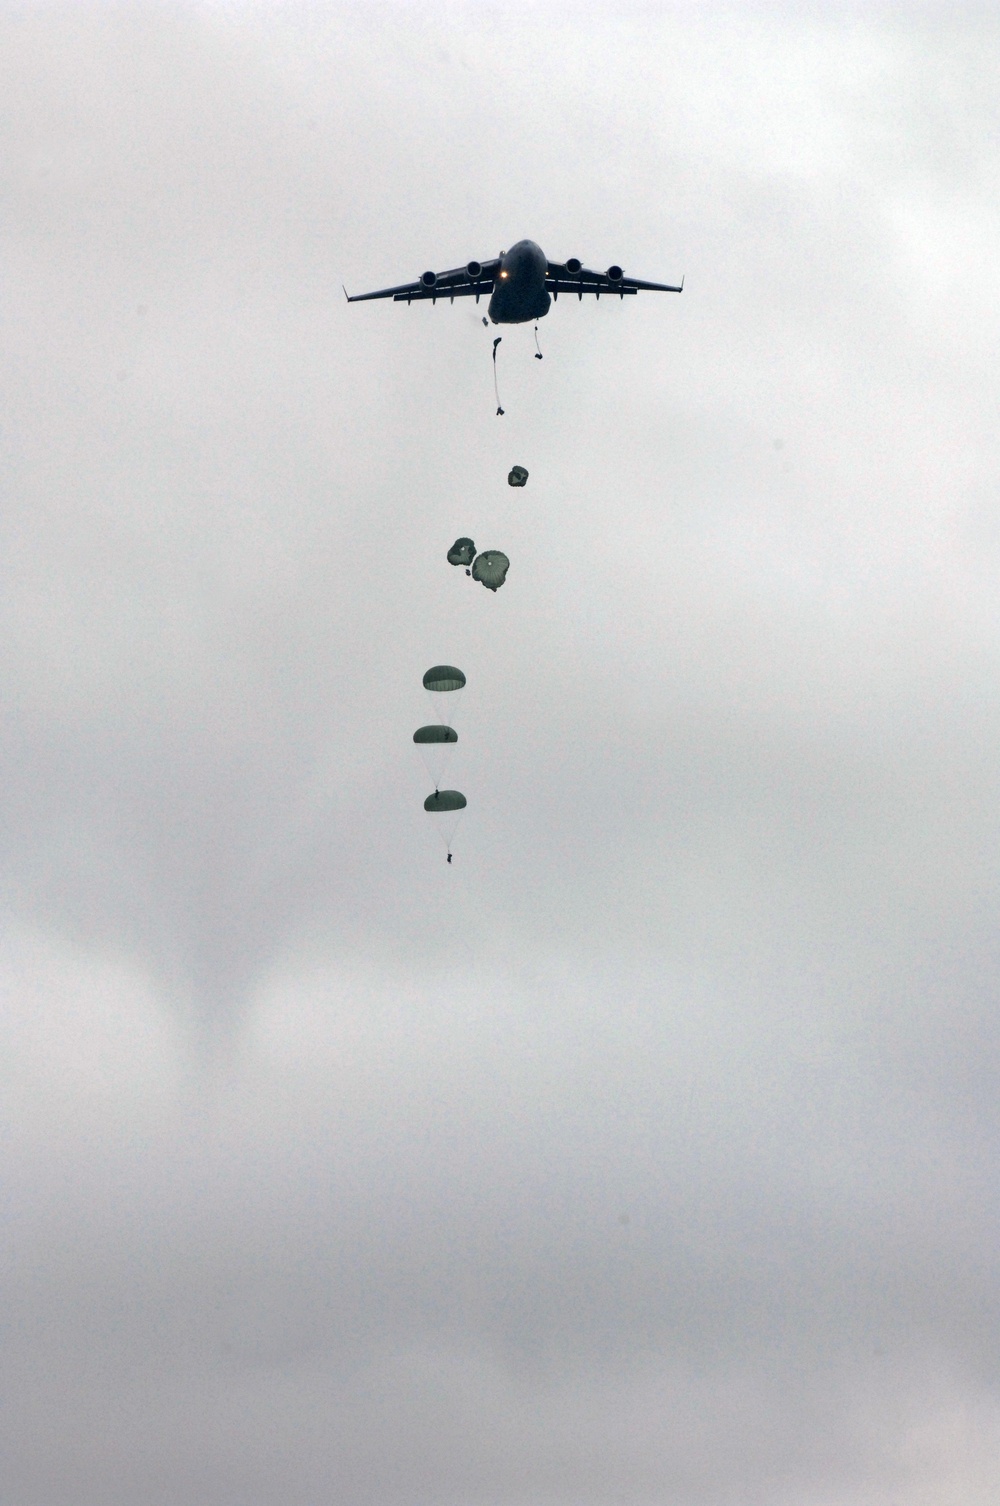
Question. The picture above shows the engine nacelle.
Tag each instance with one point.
(574, 266)
(614, 274)
(474, 270)
(429, 279)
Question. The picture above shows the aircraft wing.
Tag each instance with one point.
(571, 277)
(471, 281)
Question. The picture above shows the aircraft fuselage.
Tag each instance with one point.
(519, 289)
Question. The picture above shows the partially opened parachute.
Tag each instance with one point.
(518, 476)
(491, 568)
(462, 552)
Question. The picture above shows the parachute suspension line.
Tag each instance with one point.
(538, 350)
(496, 385)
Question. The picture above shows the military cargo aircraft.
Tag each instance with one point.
(521, 284)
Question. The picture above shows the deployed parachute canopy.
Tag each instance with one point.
(447, 807)
(491, 568)
(442, 680)
(444, 677)
(445, 800)
(436, 744)
(435, 735)
(462, 552)
(518, 476)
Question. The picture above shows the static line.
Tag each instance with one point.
(496, 387)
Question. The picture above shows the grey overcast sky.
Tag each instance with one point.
(649, 1155)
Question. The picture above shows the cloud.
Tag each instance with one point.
(648, 1150)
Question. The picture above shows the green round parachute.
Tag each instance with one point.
(444, 677)
(462, 552)
(445, 800)
(491, 568)
(437, 749)
(518, 476)
(435, 735)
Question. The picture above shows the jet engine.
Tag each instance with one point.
(429, 279)
(614, 274)
(574, 266)
(474, 270)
